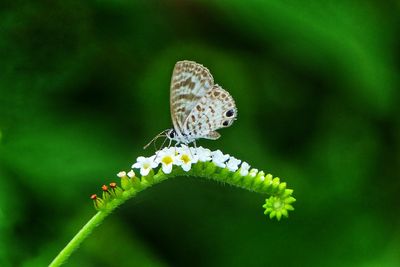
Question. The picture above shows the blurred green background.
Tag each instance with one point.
(85, 84)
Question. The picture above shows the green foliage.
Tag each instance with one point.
(84, 85)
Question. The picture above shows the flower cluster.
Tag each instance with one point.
(185, 157)
(201, 162)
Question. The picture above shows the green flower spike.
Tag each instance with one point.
(184, 161)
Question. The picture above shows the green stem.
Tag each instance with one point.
(78, 238)
(276, 205)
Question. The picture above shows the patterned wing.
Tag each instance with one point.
(214, 110)
(190, 82)
(212, 135)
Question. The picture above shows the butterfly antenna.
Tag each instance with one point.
(162, 145)
(155, 138)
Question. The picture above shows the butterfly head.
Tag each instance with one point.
(171, 134)
(180, 138)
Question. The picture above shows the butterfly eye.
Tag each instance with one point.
(171, 134)
(225, 123)
(229, 113)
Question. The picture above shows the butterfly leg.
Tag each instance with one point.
(169, 145)
(190, 149)
(176, 144)
(195, 146)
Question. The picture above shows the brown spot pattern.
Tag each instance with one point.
(198, 109)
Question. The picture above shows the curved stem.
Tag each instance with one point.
(78, 238)
(276, 205)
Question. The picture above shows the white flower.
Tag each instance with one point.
(203, 154)
(131, 174)
(145, 164)
(167, 158)
(218, 158)
(184, 149)
(253, 172)
(244, 168)
(233, 164)
(185, 158)
(169, 150)
(121, 174)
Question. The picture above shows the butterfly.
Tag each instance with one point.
(198, 106)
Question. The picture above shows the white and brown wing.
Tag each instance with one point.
(215, 110)
(190, 82)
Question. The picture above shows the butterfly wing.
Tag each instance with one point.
(215, 110)
(214, 135)
(190, 82)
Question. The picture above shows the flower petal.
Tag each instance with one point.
(167, 168)
(144, 171)
(186, 167)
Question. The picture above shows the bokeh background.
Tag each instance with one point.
(85, 84)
